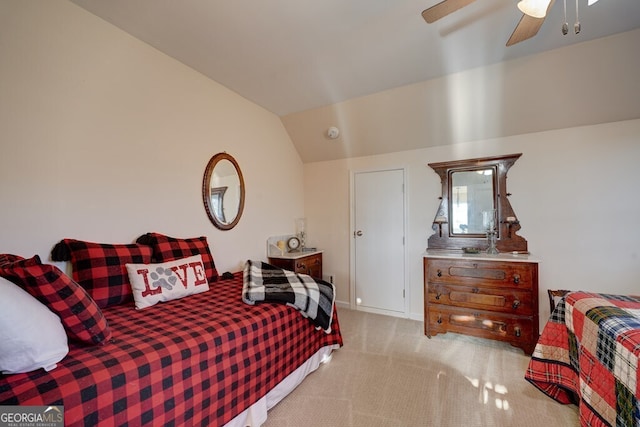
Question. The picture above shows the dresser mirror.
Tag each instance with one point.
(471, 189)
(223, 191)
(472, 194)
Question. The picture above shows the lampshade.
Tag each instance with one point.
(534, 8)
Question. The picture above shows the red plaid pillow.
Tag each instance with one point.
(100, 269)
(167, 248)
(79, 314)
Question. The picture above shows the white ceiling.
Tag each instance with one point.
(293, 55)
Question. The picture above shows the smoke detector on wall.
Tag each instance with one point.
(333, 132)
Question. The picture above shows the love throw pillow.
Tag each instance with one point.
(153, 283)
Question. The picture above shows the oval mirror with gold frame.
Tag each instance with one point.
(223, 191)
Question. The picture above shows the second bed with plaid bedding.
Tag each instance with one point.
(588, 354)
(199, 360)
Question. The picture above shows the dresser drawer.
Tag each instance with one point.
(309, 264)
(489, 273)
(503, 300)
(481, 324)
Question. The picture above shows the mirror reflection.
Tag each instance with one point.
(471, 194)
(223, 191)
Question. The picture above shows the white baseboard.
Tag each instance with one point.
(343, 304)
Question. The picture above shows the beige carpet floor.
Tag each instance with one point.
(389, 374)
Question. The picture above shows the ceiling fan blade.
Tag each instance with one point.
(443, 9)
(527, 27)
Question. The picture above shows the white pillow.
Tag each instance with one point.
(31, 336)
(152, 283)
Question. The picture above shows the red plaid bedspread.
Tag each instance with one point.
(200, 360)
(588, 354)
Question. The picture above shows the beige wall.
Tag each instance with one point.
(574, 191)
(104, 138)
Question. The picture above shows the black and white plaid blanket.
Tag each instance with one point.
(314, 298)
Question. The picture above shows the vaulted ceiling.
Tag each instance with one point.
(294, 55)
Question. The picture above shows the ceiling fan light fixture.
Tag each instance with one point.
(534, 8)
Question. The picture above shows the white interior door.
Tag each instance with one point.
(378, 237)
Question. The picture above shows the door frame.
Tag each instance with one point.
(352, 246)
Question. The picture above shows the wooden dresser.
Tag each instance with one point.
(487, 296)
(301, 262)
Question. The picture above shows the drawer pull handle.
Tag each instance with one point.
(516, 279)
(518, 332)
(515, 304)
(439, 273)
(438, 295)
(301, 265)
(439, 318)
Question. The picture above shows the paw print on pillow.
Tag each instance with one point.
(154, 283)
(163, 278)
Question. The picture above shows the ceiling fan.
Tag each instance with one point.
(526, 28)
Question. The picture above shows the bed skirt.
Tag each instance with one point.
(256, 414)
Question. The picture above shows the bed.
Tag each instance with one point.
(588, 355)
(204, 359)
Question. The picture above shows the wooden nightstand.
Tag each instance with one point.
(300, 262)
